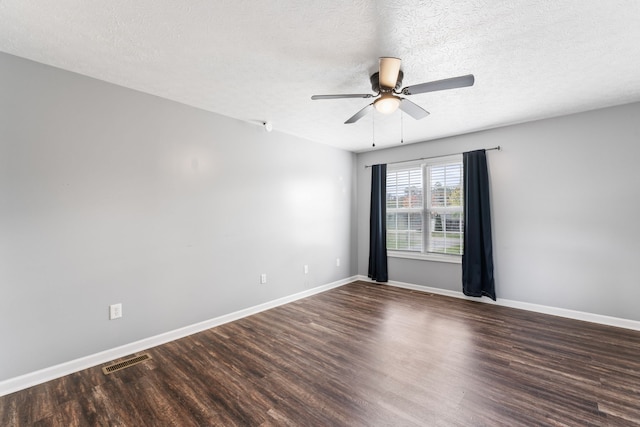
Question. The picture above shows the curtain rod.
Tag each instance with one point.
(432, 157)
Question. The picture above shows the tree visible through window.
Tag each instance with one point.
(427, 197)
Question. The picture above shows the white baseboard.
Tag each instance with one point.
(554, 311)
(47, 374)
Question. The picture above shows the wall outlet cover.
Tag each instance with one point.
(115, 311)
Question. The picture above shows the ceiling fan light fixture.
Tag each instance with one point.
(387, 103)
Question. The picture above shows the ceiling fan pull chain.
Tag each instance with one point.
(401, 128)
(373, 130)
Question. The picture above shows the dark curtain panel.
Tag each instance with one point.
(378, 226)
(477, 260)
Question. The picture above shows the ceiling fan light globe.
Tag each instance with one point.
(387, 104)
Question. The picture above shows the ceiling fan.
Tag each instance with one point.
(386, 83)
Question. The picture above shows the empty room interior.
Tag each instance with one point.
(271, 213)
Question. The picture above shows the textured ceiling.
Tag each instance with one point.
(262, 60)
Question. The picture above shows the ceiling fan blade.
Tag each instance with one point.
(412, 109)
(348, 95)
(360, 114)
(389, 69)
(452, 83)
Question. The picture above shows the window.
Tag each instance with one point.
(426, 196)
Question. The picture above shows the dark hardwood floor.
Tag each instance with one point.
(362, 355)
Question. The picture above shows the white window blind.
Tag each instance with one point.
(405, 206)
(425, 207)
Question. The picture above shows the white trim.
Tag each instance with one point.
(425, 256)
(554, 311)
(47, 374)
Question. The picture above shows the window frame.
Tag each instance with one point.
(426, 210)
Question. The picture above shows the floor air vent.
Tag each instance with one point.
(125, 364)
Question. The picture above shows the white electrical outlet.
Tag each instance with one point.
(337, 262)
(306, 269)
(263, 278)
(115, 311)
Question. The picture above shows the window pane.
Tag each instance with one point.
(404, 189)
(415, 231)
(446, 185)
(392, 201)
(437, 194)
(415, 241)
(392, 241)
(404, 231)
(453, 222)
(446, 233)
(402, 219)
(415, 221)
(403, 240)
(391, 221)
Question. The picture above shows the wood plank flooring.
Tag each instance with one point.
(362, 355)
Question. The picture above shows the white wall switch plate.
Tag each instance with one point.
(337, 262)
(263, 278)
(306, 269)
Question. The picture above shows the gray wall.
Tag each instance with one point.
(565, 206)
(109, 195)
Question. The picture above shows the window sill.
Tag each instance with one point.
(452, 259)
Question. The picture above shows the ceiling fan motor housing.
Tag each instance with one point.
(375, 83)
